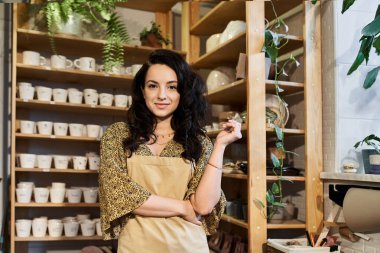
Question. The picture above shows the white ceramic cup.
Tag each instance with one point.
(26, 92)
(58, 185)
(25, 184)
(98, 228)
(121, 100)
(85, 64)
(44, 161)
(79, 162)
(93, 162)
(60, 95)
(24, 195)
(75, 96)
(55, 228)
(93, 131)
(39, 227)
(60, 128)
(23, 227)
(89, 91)
(90, 195)
(91, 98)
(83, 216)
(135, 68)
(61, 161)
(27, 161)
(33, 58)
(41, 194)
(105, 99)
(44, 93)
(74, 195)
(27, 126)
(45, 127)
(76, 129)
(71, 228)
(57, 194)
(60, 62)
(88, 228)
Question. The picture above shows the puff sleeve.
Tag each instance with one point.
(118, 194)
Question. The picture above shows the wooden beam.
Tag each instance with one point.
(185, 29)
(256, 134)
(313, 117)
(165, 21)
(194, 40)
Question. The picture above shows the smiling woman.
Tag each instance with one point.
(160, 175)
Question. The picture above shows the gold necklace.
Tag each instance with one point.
(163, 136)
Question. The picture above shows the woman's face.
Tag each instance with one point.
(160, 91)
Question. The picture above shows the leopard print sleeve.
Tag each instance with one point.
(210, 222)
(118, 194)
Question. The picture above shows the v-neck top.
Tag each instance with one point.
(119, 195)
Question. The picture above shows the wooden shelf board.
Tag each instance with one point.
(351, 178)
(52, 170)
(237, 222)
(216, 20)
(93, 79)
(61, 238)
(291, 178)
(227, 54)
(67, 107)
(55, 137)
(222, 95)
(72, 45)
(65, 204)
(287, 224)
(152, 6)
(288, 131)
(236, 176)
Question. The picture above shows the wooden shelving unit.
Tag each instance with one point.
(61, 238)
(250, 93)
(51, 170)
(73, 47)
(67, 107)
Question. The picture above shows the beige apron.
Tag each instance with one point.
(166, 177)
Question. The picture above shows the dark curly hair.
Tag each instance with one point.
(187, 119)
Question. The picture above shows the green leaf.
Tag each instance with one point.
(347, 4)
(279, 133)
(359, 59)
(377, 11)
(313, 1)
(275, 161)
(376, 45)
(371, 77)
(275, 188)
(279, 145)
(270, 197)
(373, 28)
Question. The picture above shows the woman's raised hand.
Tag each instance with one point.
(231, 131)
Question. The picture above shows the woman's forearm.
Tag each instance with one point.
(157, 206)
(208, 192)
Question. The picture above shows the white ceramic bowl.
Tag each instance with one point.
(212, 42)
(234, 28)
(220, 76)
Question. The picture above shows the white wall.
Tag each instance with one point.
(349, 111)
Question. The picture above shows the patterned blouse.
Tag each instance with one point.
(119, 195)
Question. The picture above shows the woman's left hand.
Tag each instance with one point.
(231, 131)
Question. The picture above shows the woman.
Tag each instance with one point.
(160, 175)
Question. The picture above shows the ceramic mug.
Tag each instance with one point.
(85, 64)
(60, 62)
(33, 58)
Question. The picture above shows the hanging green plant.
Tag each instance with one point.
(274, 41)
(98, 12)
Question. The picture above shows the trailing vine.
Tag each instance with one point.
(274, 41)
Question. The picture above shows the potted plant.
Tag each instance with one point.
(370, 154)
(60, 15)
(153, 37)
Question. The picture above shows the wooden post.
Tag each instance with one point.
(185, 29)
(165, 20)
(313, 117)
(256, 134)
